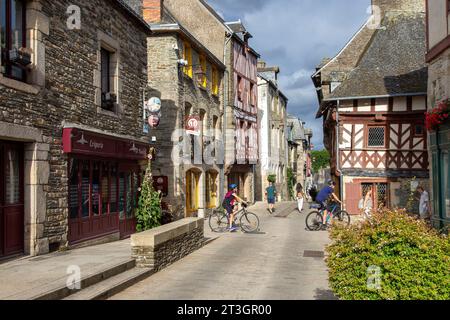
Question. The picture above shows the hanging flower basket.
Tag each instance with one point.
(438, 116)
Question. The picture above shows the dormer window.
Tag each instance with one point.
(14, 56)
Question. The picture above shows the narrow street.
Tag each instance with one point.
(268, 265)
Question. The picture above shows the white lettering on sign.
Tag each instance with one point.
(96, 145)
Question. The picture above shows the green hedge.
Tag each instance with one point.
(413, 259)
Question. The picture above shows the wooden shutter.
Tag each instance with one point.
(353, 195)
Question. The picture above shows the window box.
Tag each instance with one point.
(20, 57)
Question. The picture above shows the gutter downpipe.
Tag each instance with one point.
(338, 158)
(222, 183)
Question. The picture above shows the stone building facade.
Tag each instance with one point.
(299, 150)
(438, 59)
(229, 43)
(59, 94)
(187, 77)
(273, 138)
(372, 100)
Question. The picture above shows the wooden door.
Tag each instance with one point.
(192, 193)
(11, 199)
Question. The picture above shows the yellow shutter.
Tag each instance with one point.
(187, 55)
(215, 81)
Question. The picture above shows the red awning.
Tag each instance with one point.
(79, 141)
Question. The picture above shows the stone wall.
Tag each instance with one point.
(161, 247)
(69, 59)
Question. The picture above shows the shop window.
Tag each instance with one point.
(85, 189)
(187, 55)
(74, 207)
(376, 137)
(113, 202)
(96, 189)
(105, 189)
(13, 39)
(129, 195)
(122, 196)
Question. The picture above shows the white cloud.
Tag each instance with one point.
(296, 35)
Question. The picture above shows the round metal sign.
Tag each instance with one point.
(153, 121)
(153, 105)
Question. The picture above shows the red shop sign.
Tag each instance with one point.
(84, 142)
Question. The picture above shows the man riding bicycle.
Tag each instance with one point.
(230, 204)
(322, 199)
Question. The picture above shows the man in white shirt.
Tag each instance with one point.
(424, 204)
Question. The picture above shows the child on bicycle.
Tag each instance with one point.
(230, 204)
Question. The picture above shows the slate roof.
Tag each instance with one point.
(394, 62)
(297, 132)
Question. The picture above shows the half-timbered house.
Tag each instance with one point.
(373, 96)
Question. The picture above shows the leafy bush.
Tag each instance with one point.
(291, 181)
(149, 213)
(414, 260)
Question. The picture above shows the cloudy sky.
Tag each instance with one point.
(296, 35)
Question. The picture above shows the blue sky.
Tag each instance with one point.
(296, 35)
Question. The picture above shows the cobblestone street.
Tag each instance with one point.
(267, 265)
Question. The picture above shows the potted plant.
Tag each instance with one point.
(438, 116)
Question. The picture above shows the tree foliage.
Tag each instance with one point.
(320, 160)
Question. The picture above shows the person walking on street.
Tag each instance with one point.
(366, 203)
(424, 204)
(271, 193)
(300, 199)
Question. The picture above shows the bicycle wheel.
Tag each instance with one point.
(218, 222)
(249, 222)
(314, 221)
(342, 218)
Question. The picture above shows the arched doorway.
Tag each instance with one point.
(212, 189)
(192, 192)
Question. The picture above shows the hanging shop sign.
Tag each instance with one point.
(153, 121)
(153, 105)
(193, 125)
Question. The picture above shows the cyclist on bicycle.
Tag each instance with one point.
(230, 204)
(322, 199)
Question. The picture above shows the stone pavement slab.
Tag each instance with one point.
(269, 265)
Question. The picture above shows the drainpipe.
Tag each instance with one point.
(338, 158)
(222, 183)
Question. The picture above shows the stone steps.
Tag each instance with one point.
(62, 291)
(111, 286)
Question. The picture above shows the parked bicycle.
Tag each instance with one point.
(314, 221)
(248, 221)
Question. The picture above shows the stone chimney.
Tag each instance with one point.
(270, 73)
(400, 5)
(261, 64)
(152, 10)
